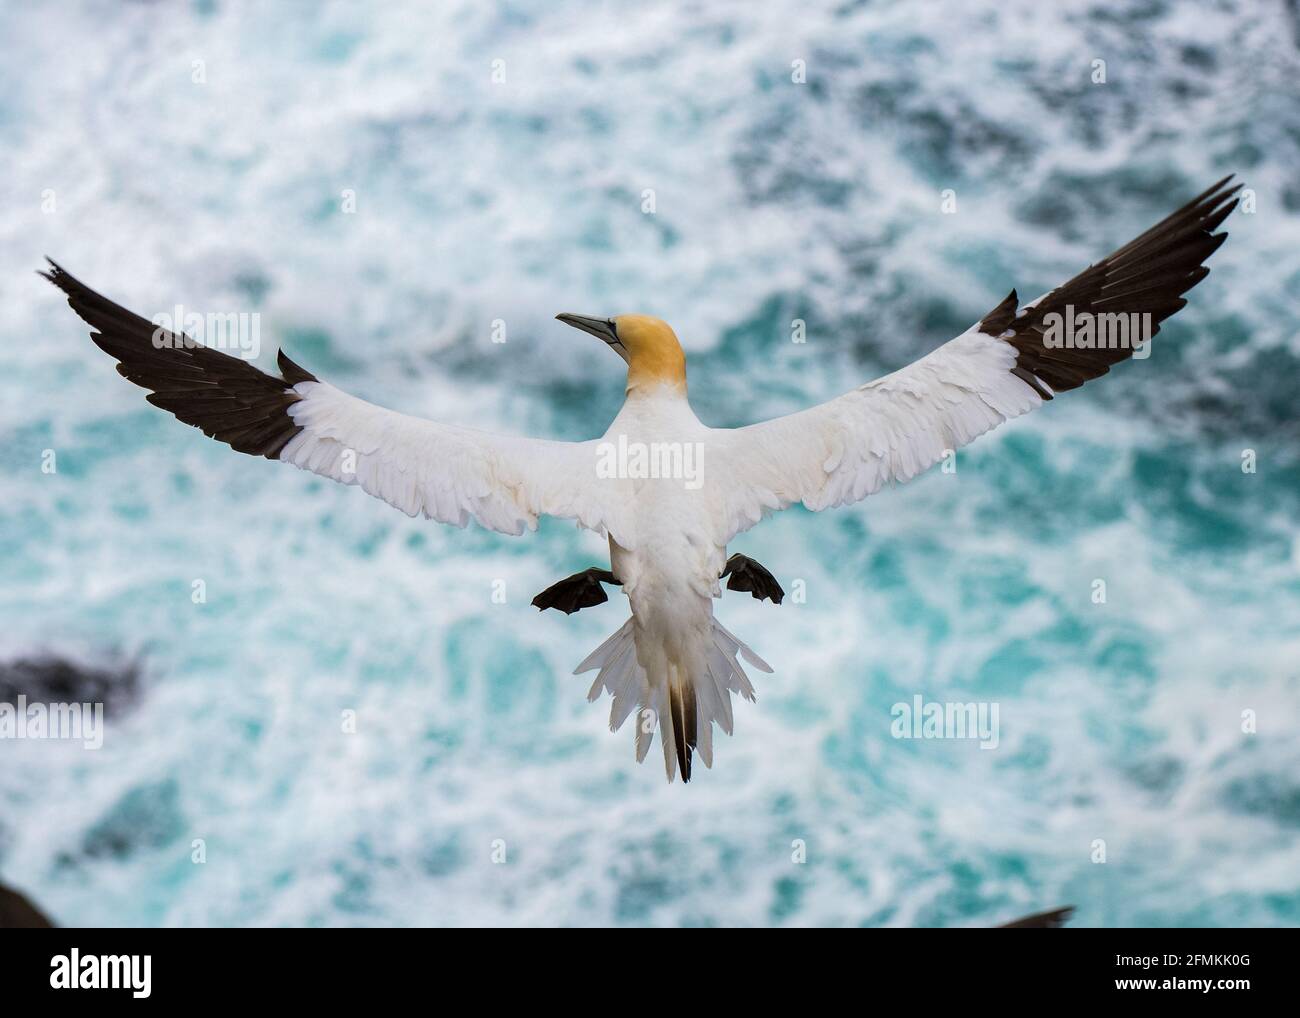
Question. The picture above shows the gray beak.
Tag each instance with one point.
(601, 328)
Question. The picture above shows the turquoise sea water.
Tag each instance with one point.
(480, 200)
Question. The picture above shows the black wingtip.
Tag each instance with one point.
(1051, 920)
(1000, 318)
(1155, 269)
(291, 372)
(233, 402)
(61, 277)
(1215, 187)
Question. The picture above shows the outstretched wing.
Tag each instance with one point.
(444, 472)
(892, 429)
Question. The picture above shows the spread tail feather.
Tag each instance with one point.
(683, 741)
(688, 701)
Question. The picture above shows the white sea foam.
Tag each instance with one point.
(478, 202)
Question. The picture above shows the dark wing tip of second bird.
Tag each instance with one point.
(1147, 276)
(1051, 920)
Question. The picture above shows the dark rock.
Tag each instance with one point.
(52, 679)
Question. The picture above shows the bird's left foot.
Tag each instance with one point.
(746, 574)
(573, 593)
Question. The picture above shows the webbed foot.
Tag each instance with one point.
(573, 593)
(746, 574)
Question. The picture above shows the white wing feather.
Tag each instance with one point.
(886, 431)
(448, 473)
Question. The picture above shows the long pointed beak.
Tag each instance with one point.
(601, 328)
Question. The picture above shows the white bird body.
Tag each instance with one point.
(679, 655)
(668, 530)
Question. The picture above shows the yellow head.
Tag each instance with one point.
(649, 345)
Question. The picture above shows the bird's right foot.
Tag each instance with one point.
(746, 574)
(573, 593)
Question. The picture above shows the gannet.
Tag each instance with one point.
(672, 661)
